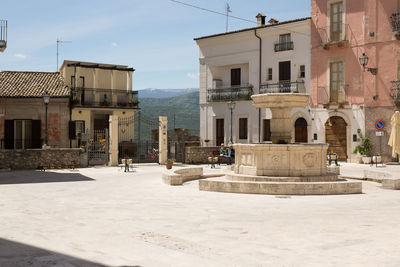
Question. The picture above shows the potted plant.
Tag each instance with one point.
(169, 163)
(364, 149)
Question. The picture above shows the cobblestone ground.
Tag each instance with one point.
(103, 216)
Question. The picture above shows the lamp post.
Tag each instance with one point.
(231, 106)
(46, 100)
(364, 62)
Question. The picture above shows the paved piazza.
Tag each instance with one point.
(103, 216)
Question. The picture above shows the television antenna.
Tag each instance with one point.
(228, 10)
(59, 41)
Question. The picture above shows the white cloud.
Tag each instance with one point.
(193, 76)
(114, 44)
(20, 56)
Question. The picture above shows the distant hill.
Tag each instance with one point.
(164, 93)
(185, 108)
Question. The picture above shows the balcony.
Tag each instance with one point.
(283, 87)
(3, 35)
(395, 21)
(234, 93)
(332, 96)
(336, 35)
(104, 98)
(395, 93)
(284, 46)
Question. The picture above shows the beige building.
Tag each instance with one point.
(98, 91)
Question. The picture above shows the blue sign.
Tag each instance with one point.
(379, 125)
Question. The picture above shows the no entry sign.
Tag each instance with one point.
(379, 125)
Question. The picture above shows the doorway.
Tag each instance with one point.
(336, 137)
(300, 131)
(220, 134)
(284, 77)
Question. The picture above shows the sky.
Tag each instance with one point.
(154, 37)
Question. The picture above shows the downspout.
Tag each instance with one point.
(259, 84)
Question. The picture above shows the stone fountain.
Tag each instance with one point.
(282, 167)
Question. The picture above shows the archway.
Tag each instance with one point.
(336, 137)
(300, 131)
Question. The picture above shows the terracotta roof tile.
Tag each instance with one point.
(32, 84)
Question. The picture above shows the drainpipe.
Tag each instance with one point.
(259, 84)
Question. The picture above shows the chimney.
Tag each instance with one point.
(260, 19)
(273, 21)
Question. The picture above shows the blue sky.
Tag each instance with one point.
(154, 37)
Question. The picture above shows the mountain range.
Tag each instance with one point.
(164, 93)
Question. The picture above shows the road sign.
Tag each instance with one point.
(379, 125)
(380, 133)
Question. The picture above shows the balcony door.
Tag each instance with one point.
(235, 77)
(336, 21)
(284, 77)
(336, 81)
(220, 134)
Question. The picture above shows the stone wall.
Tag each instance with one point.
(47, 158)
(199, 155)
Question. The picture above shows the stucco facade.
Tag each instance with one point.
(254, 51)
(341, 31)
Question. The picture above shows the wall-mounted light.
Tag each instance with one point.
(364, 62)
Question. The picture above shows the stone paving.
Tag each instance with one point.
(105, 217)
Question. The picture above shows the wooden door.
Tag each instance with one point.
(300, 133)
(284, 77)
(220, 134)
(235, 77)
(336, 137)
(336, 21)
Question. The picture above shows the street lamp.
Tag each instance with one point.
(46, 100)
(364, 62)
(231, 106)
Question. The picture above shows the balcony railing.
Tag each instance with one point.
(3, 35)
(284, 46)
(328, 95)
(395, 93)
(104, 98)
(283, 87)
(335, 34)
(233, 93)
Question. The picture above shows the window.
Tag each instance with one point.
(285, 43)
(266, 130)
(81, 83)
(302, 72)
(284, 38)
(22, 134)
(336, 21)
(336, 93)
(73, 81)
(269, 74)
(243, 128)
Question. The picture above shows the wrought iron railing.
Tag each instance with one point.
(104, 98)
(327, 95)
(283, 87)
(284, 46)
(395, 21)
(335, 33)
(3, 35)
(395, 93)
(233, 93)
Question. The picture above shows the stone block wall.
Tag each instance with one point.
(199, 155)
(49, 158)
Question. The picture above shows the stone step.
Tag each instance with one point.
(250, 178)
(281, 188)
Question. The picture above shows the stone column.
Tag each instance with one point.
(113, 140)
(162, 139)
(281, 125)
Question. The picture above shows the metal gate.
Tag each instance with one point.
(138, 138)
(96, 146)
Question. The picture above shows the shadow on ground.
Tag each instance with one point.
(18, 254)
(27, 177)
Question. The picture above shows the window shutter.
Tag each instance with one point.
(36, 133)
(72, 130)
(9, 134)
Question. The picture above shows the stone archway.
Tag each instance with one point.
(300, 131)
(336, 136)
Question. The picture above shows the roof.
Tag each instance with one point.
(254, 28)
(83, 64)
(18, 84)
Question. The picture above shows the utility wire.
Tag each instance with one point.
(212, 11)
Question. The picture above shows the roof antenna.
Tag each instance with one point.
(59, 41)
(228, 10)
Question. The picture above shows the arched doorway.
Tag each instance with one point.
(336, 137)
(300, 131)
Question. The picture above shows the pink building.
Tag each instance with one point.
(346, 98)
